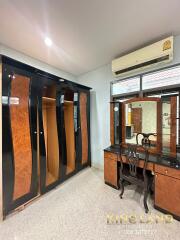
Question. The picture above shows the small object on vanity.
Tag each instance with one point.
(133, 174)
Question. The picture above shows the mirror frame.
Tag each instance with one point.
(158, 149)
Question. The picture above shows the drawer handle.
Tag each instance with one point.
(166, 171)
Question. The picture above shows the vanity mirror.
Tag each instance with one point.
(153, 120)
(141, 122)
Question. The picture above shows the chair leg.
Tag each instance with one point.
(145, 202)
(121, 183)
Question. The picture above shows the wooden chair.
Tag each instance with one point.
(133, 174)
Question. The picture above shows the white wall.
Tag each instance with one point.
(99, 80)
(35, 63)
(100, 113)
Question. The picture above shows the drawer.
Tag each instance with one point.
(167, 171)
(109, 155)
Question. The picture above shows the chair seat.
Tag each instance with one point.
(133, 180)
(138, 179)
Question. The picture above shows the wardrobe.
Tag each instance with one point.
(45, 132)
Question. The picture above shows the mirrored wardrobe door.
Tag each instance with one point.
(48, 136)
(68, 107)
(68, 130)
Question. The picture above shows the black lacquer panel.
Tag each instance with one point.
(7, 150)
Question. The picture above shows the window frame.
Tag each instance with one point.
(141, 92)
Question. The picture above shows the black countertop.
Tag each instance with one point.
(154, 158)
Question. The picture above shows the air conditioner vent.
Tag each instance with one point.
(142, 65)
(160, 52)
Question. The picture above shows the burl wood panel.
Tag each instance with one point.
(21, 138)
(112, 123)
(70, 140)
(110, 169)
(167, 193)
(84, 128)
(173, 102)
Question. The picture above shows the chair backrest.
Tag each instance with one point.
(133, 158)
(145, 141)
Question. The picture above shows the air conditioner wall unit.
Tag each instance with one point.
(159, 52)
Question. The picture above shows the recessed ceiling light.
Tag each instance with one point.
(48, 41)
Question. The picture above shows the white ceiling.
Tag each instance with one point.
(86, 34)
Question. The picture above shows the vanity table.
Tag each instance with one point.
(164, 159)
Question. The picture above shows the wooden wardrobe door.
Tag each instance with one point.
(70, 137)
(68, 131)
(21, 137)
(84, 126)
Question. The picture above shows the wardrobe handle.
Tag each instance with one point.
(35, 132)
(41, 133)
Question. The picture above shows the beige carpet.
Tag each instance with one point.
(78, 209)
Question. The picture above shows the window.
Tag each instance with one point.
(167, 77)
(126, 86)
